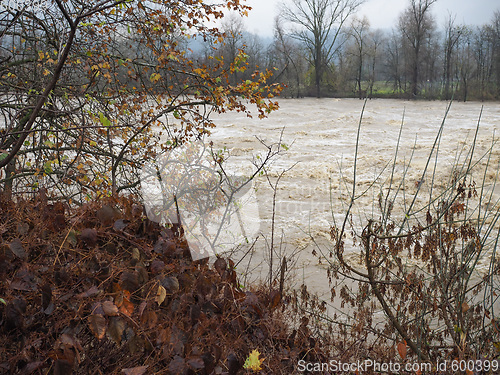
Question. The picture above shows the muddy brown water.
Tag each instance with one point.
(321, 138)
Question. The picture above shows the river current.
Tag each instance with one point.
(320, 140)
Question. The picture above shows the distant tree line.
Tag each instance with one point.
(321, 48)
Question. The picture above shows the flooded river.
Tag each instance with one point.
(320, 137)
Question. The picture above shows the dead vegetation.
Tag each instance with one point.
(101, 289)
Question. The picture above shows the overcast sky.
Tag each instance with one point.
(382, 13)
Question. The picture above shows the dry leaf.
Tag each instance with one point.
(402, 349)
(161, 294)
(135, 370)
(17, 248)
(127, 307)
(115, 330)
(91, 292)
(89, 236)
(110, 309)
(465, 307)
(97, 324)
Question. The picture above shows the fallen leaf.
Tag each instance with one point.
(32, 367)
(115, 329)
(177, 365)
(161, 294)
(89, 236)
(107, 214)
(157, 266)
(149, 319)
(171, 284)
(91, 292)
(196, 363)
(16, 246)
(123, 302)
(220, 265)
(110, 309)
(253, 362)
(120, 225)
(24, 280)
(140, 370)
(97, 324)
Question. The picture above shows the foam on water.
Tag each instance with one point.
(322, 137)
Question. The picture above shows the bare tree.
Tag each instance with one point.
(320, 23)
(376, 40)
(358, 32)
(233, 27)
(292, 64)
(452, 36)
(393, 61)
(465, 63)
(416, 26)
(496, 49)
(483, 53)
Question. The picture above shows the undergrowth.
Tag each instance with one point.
(101, 289)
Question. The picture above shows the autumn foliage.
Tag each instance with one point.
(89, 91)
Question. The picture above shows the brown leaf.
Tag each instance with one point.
(149, 319)
(274, 299)
(32, 366)
(140, 370)
(97, 324)
(171, 284)
(24, 280)
(89, 237)
(110, 309)
(402, 349)
(107, 214)
(22, 229)
(465, 307)
(97, 308)
(120, 225)
(142, 307)
(115, 329)
(123, 302)
(91, 292)
(63, 367)
(157, 266)
(16, 246)
(196, 363)
(220, 265)
(234, 364)
(47, 299)
(129, 281)
(14, 314)
(177, 365)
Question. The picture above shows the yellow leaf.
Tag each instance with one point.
(155, 77)
(253, 362)
(161, 294)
